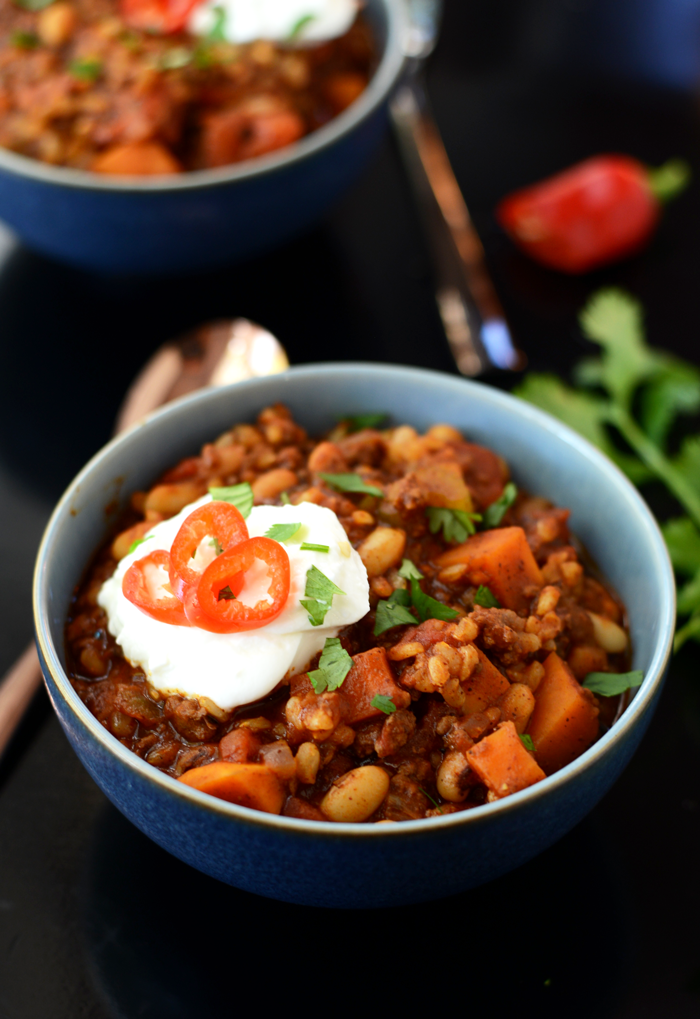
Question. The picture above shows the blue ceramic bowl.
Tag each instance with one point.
(349, 865)
(205, 218)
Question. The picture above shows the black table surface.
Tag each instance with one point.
(96, 921)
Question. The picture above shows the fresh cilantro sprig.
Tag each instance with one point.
(383, 703)
(526, 741)
(217, 32)
(333, 667)
(612, 684)
(632, 396)
(394, 611)
(486, 598)
(456, 525)
(362, 421)
(240, 496)
(350, 483)
(319, 592)
(138, 541)
(494, 513)
(88, 69)
(282, 532)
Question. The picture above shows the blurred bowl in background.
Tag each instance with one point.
(200, 219)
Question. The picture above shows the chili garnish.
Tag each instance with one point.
(220, 521)
(147, 592)
(160, 16)
(216, 605)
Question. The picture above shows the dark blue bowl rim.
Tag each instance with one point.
(375, 95)
(485, 814)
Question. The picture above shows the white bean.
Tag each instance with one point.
(611, 637)
(356, 795)
(382, 549)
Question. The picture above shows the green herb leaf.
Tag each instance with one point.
(282, 532)
(350, 483)
(139, 541)
(409, 571)
(689, 597)
(308, 546)
(299, 26)
(687, 463)
(429, 608)
(526, 740)
(672, 390)
(493, 514)
(432, 799)
(383, 703)
(217, 33)
(319, 593)
(226, 594)
(174, 59)
(393, 612)
(485, 597)
(362, 421)
(240, 496)
(689, 631)
(611, 684)
(216, 545)
(87, 69)
(683, 542)
(457, 525)
(24, 40)
(33, 5)
(285, 500)
(333, 666)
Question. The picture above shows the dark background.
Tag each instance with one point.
(95, 921)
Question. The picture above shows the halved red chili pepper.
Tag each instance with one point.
(161, 16)
(222, 522)
(143, 587)
(596, 212)
(224, 574)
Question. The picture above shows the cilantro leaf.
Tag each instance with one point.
(383, 703)
(139, 541)
(88, 69)
(409, 571)
(457, 525)
(282, 532)
(319, 593)
(362, 421)
(689, 597)
(299, 25)
(497, 510)
(240, 496)
(526, 740)
(394, 612)
(683, 542)
(485, 597)
(687, 462)
(333, 666)
(610, 684)
(689, 631)
(33, 5)
(429, 608)
(308, 546)
(217, 31)
(285, 500)
(672, 390)
(350, 483)
(24, 40)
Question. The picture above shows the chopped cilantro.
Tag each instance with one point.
(383, 703)
(88, 69)
(350, 483)
(285, 500)
(139, 541)
(216, 545)
(611, 684)
(526, 741)
(217, 33)
(240, 496)
(393, 612)
(308, 546)
(34, 5)
(226, 594)
(486, 598)
(494, 513)
(24, 40)
(361, 421)
(299, 25)
(333, 666)
(319, 593)
(282, 532)
(456, 525)
(409, 571)
(429, 608)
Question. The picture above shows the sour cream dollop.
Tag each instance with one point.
(296, 22)
(237, 668)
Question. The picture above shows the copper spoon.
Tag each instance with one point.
(215, 354)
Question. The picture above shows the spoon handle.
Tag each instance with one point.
(18, 687)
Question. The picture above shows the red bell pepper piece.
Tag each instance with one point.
(161, 16)
(594, 213)
(142, 586)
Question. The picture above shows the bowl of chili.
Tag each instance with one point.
(219, 170)
(341, 863)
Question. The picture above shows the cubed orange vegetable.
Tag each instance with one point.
(370, 675)
(443, 485)
(248, 785)
(501, 560)
(565, 720)
(502, 762)
(485, 685)
(137, 159)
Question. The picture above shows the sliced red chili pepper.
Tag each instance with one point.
(225, 572)
(222, 522)
(161, 16)
(143, 587)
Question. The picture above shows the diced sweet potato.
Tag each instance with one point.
(443, 485)
(248, 785)
(502, 762)
(565, 720)
(485, 685)
(370, 675)
(501, 560)
(137, 159)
